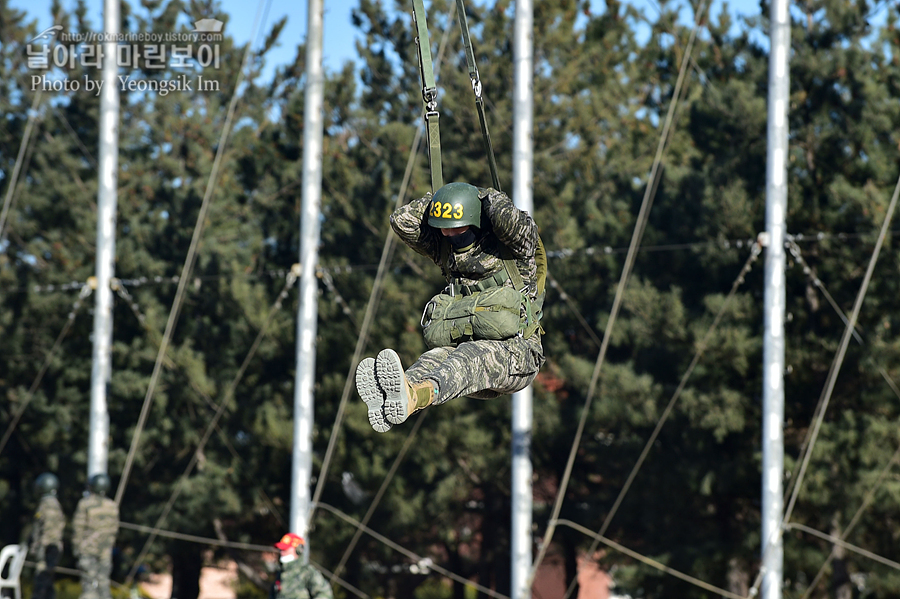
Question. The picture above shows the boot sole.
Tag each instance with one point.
(370, 392)
(389, 372)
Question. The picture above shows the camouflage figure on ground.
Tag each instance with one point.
(483, 329)
(46, 535)
(95, 525)
(297, 580)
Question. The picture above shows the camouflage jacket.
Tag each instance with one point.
(95, 525)
(509, 226)
(301, 581)
(49, 523)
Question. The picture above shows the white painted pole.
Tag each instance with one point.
(774, 301)
(107, 199)
(313, 131)
(522, 415)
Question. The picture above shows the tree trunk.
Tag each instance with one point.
(187, 561)
(840, 578)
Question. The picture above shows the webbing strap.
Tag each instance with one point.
(467, 40)
(426, 67)
(512, 268)
(476, 88)
(434, 149)
(429, 94)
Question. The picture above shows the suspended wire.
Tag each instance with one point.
(374, 297)
(867, 501)
(650, 562)
(833, 373)
(62, 117)
(338, 298)
(10, 190)
(420, 561)
(226, 544)
(840, 541)
(228, 396)
(560, 254)
(811, 274)
(274, 511)
(845, 341)
(334, 577)
(196, 539)
(189, 261)
(342, 582)
(554, 284)
(640, 225)
(136, 310)
(701, 348)
(74, 572)
(381, 491)
(85, 291)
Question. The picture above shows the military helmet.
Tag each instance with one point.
(455, 205)
(99, 483)
(46, 484)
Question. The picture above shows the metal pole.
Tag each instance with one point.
(98, 436)
(523, 163)
(313, 122)
(773, 338)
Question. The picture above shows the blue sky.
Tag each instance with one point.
(339, 35)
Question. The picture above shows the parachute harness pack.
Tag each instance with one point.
(489, 309)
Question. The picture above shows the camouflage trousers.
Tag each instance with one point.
(45, 572)
(482, 369)
(95, 570)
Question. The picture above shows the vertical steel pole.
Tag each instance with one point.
(313, 122)
(523, 163)
(773, 338)
(107, 198)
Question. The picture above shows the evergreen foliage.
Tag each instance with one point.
(604, 81)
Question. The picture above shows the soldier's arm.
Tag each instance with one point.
(114, 522)
(408, 222)
(319, 587)
(57, 524)
(514, 227)
(34, 537)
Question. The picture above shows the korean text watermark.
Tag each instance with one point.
(147, 51)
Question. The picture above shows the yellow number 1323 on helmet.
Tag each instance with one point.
(455, 205)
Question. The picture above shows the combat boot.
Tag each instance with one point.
(401, 398)
(370, 391)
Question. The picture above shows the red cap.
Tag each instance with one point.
(288, 541)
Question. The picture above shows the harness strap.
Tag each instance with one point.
(476, 88)
(512, 268)
(429, 94)
(496, 280)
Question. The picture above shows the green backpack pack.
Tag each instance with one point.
(491, 311)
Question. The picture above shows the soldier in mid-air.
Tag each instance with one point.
(95, 525)
(483, 329)
(46, 535)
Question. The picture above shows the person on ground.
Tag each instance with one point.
(296, 579)
(94, 529)
(483, 328)
(46, 535)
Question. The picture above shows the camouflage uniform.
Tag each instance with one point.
(95, 525)
(482, 369)
(301, 581)
(46, 544)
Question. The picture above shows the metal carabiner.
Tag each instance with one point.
(425, 313)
